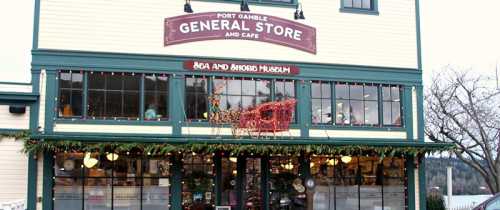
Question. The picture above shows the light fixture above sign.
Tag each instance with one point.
(239, 25)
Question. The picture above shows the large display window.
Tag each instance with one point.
(198, 182)
(110, 181)
(357, 183)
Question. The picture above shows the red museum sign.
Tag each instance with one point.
(236, 67)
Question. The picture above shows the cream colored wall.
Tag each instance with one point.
(42, 99)
(15, 88)
(228, 132)
(14, 170)
(133, 26)
(357, 134)
(414, 112)
(13, 121)
(124, 129)
(417, 189)
(39, 181)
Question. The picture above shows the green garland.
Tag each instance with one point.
(162, 149)
(21, 135)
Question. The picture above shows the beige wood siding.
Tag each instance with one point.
(132, 26)
(13, 121)
(14, 170)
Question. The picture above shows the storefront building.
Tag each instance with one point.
(144, 105)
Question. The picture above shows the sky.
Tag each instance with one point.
(463, 34)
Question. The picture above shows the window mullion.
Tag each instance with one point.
(141, 99)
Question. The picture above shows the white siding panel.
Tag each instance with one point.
(126, 129)
(41, 107)
(414, 112)
(228, 132)
(417, 189)
(13, 121)
(14, 170)
(15, 88)
(132, 26)
(39, 181)
(357, 134)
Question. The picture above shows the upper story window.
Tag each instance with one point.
(392, 105)
(355, 104)
(156, 97)
(232, 94)
(113, 95)
(362, 6)
(70, 94)
(108, 95)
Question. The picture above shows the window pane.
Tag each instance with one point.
(76, 102)
(316, 110)
(347, 3)
(68, 164)
(65, 80)
(156, 168)
(131, 104)
(160, 105)
(386, 93)
(96, 103)
(396, 113)
(252, 196)
(197, 85)
(77, 79)
(322, 170)
(371, 93)
(248, 87)
(342, 112)
(387, 113)
(263, 88)
(198, 177)
(150, 83)
(219, 86)
(97, 194)
(289, 89)
(156, 194)
(229, 174)
(127, 193)
(67, 193)
(114, 104)
(371, 183)
(65, 109)
(247, 101)
(96, 80)
(114, 82)
(342, 91)
(196, 104)
(326, 113)
(346, 173)
(287, 189)
(316, 90)
(356, 3)
(394, 192)
(367, 4)
(356, 92)
(279, 90)
(234, 87)
(357, 112)
(326, 90)
(395, 93)
(234, 102)
(371, 112)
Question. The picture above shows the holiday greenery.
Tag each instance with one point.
(33, 146)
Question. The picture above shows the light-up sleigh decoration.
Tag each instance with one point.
(268, 117)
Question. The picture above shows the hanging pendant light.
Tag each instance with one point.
(244, 6)
(88, 161)
(187, 7)
(112, 157)
(346, 159)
